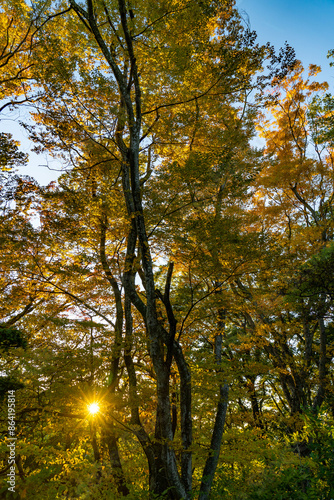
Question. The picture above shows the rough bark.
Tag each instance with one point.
(116, 352)
(250, 385)
(217, 434)
(185, 412)
(115, 462)
(323, 368)
(110, 436)
(212, 460)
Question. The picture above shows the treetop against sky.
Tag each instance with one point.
(306, 26)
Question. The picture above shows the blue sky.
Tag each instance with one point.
(306, 25)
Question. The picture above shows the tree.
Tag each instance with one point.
(143, 91)
(295, 197)
(121, 58)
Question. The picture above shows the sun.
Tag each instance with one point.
(93, 408)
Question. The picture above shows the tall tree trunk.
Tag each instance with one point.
(212, 460)
(216, 439)
(250, 385)
(323, 367)
(115, 461)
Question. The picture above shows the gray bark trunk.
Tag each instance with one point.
(116, 465)
(217, 434)
(212, 460)
(323, 368)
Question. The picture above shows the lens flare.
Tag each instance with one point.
(93, 408)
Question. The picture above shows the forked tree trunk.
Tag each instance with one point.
(165, 479)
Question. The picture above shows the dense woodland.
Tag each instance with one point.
(179, 273)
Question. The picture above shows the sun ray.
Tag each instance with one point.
(93, 408)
